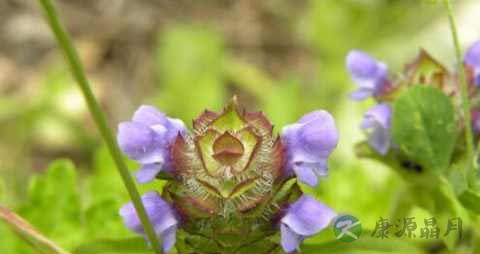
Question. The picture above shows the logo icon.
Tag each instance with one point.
(347, 228)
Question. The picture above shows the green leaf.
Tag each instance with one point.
(53, 204)
(470, 199)
(364, 245)
(24, 230)
(423, 126)
(135, 245)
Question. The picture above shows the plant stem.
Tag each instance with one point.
(78, 73)
(472, 165)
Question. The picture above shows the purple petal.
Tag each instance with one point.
(169, 238)
(361, 64)
(309, 142)
(472, 56)
(161, 215)
(290, 240)
(149, 115)
(148, 172)
(307, 216)
(319, 135)
(376, 123)
(306, 175)
(476, 121)
(175, 127)
(381, 114)
(379, 139)
(167, 128)
(147, 139)
(369, 74)
(361, 94)
(135, 140)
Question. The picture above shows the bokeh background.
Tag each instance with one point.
(285, 58)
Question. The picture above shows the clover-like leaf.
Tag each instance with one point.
(423, 126)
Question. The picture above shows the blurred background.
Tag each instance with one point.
(285, 58)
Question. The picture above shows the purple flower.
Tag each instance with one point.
(370, 75)
(147, 139)
(472, 59)
(308, 143)
(475, 114)
(304, 218)
(161, 215)
(376, 123)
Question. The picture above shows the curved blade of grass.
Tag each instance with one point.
(78, 73)
(26, 231)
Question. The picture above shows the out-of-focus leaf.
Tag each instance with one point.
(471, 200)
(105, 195)
(423, 126)
(249, 77)
(364, 245)
(53, 204)
(102, 219)
(136, 245)
(190, 68)
(284, 104)
(439, 199)
(29, 234)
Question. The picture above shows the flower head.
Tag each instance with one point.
(370, 75)
(304, 218)
(232, 177)
(472, 59)
(309, 142)
(376, 123)
(161, 215)
(147, 139)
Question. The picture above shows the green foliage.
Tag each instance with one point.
(189, 62)
(423, 125)
(364, 245)
(53, 198)
(471, 200)
(135, 245)
(54, 207)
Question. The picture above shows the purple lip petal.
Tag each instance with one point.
(304, 218)
(161, 215)
(376, 123)
(147, 139)
(309, 142)
(369, 74)
(148, 172)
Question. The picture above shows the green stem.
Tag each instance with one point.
(472, 165)
(78, 73)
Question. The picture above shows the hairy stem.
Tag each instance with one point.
(472, 165)
(78, 73)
